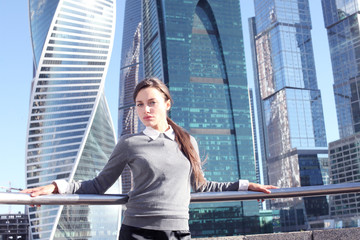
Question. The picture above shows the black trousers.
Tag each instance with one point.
(135, 233)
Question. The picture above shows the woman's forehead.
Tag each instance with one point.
(149, 93)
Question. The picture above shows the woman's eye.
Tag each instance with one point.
(152, 103)
(139, 105)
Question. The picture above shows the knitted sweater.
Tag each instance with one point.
(162, 181)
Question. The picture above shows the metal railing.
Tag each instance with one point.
(119, 199)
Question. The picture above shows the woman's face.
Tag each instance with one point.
(152, 108)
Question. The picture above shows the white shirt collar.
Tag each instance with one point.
(154, 134)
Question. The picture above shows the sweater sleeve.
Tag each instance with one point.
(211, 186)
(106, 178)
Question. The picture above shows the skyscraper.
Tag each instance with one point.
(131, 67)
(70, 131)
(196, 48)
(291, 118)
(343, 28)
(255, 144)
(131, 72)
(345, 167)
(14, 226)
(342, 24)
(254, 134)
(259, 106)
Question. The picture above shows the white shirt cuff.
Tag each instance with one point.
(243, 185)
(62, 185)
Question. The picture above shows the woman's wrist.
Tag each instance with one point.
(56, 190)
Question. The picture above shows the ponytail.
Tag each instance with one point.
(185, 145)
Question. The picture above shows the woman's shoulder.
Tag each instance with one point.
(130, 138)
(127, 141)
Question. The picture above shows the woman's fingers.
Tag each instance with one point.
(267, 187)
(38, 191)
(261, 188)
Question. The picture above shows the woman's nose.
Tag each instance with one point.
(147, 109)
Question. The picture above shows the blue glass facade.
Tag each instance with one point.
(41, 15)
(343, 29)
(342, 24)
(199, 51)
(153, 61)
(291, 117)
(70, 132)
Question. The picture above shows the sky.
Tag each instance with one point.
(16, 74)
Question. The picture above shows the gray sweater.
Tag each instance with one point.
(162, 181)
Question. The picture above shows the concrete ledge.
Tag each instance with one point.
(330, 234)
(337, 234)
(273, 236)
(307, 235)
(224, 238)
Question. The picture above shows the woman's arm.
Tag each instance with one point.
(211, 186)
(98, 185)
(241, 185)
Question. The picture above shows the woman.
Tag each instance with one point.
(165, 164)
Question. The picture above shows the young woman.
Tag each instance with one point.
(165, 164)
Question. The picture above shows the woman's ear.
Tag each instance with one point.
(168, 105)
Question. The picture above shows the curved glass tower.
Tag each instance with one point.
(204, 66)
(290, 112)
(70, 131)
(196, 48)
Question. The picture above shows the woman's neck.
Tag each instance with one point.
(162, 128)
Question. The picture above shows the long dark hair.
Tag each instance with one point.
(181, 136)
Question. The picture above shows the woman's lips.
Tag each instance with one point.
(148, 117)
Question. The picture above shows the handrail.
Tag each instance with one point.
(119, 199)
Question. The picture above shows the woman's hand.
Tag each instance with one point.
(260, 188)
(43, 190)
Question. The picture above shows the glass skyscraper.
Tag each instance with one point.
(131, 72)
(343, 29)
(196, 48)
(254, 134)
(70, 131)
(292, 129)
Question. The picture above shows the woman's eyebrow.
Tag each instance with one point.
(151, 99)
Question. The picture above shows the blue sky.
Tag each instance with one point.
(16, 75)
